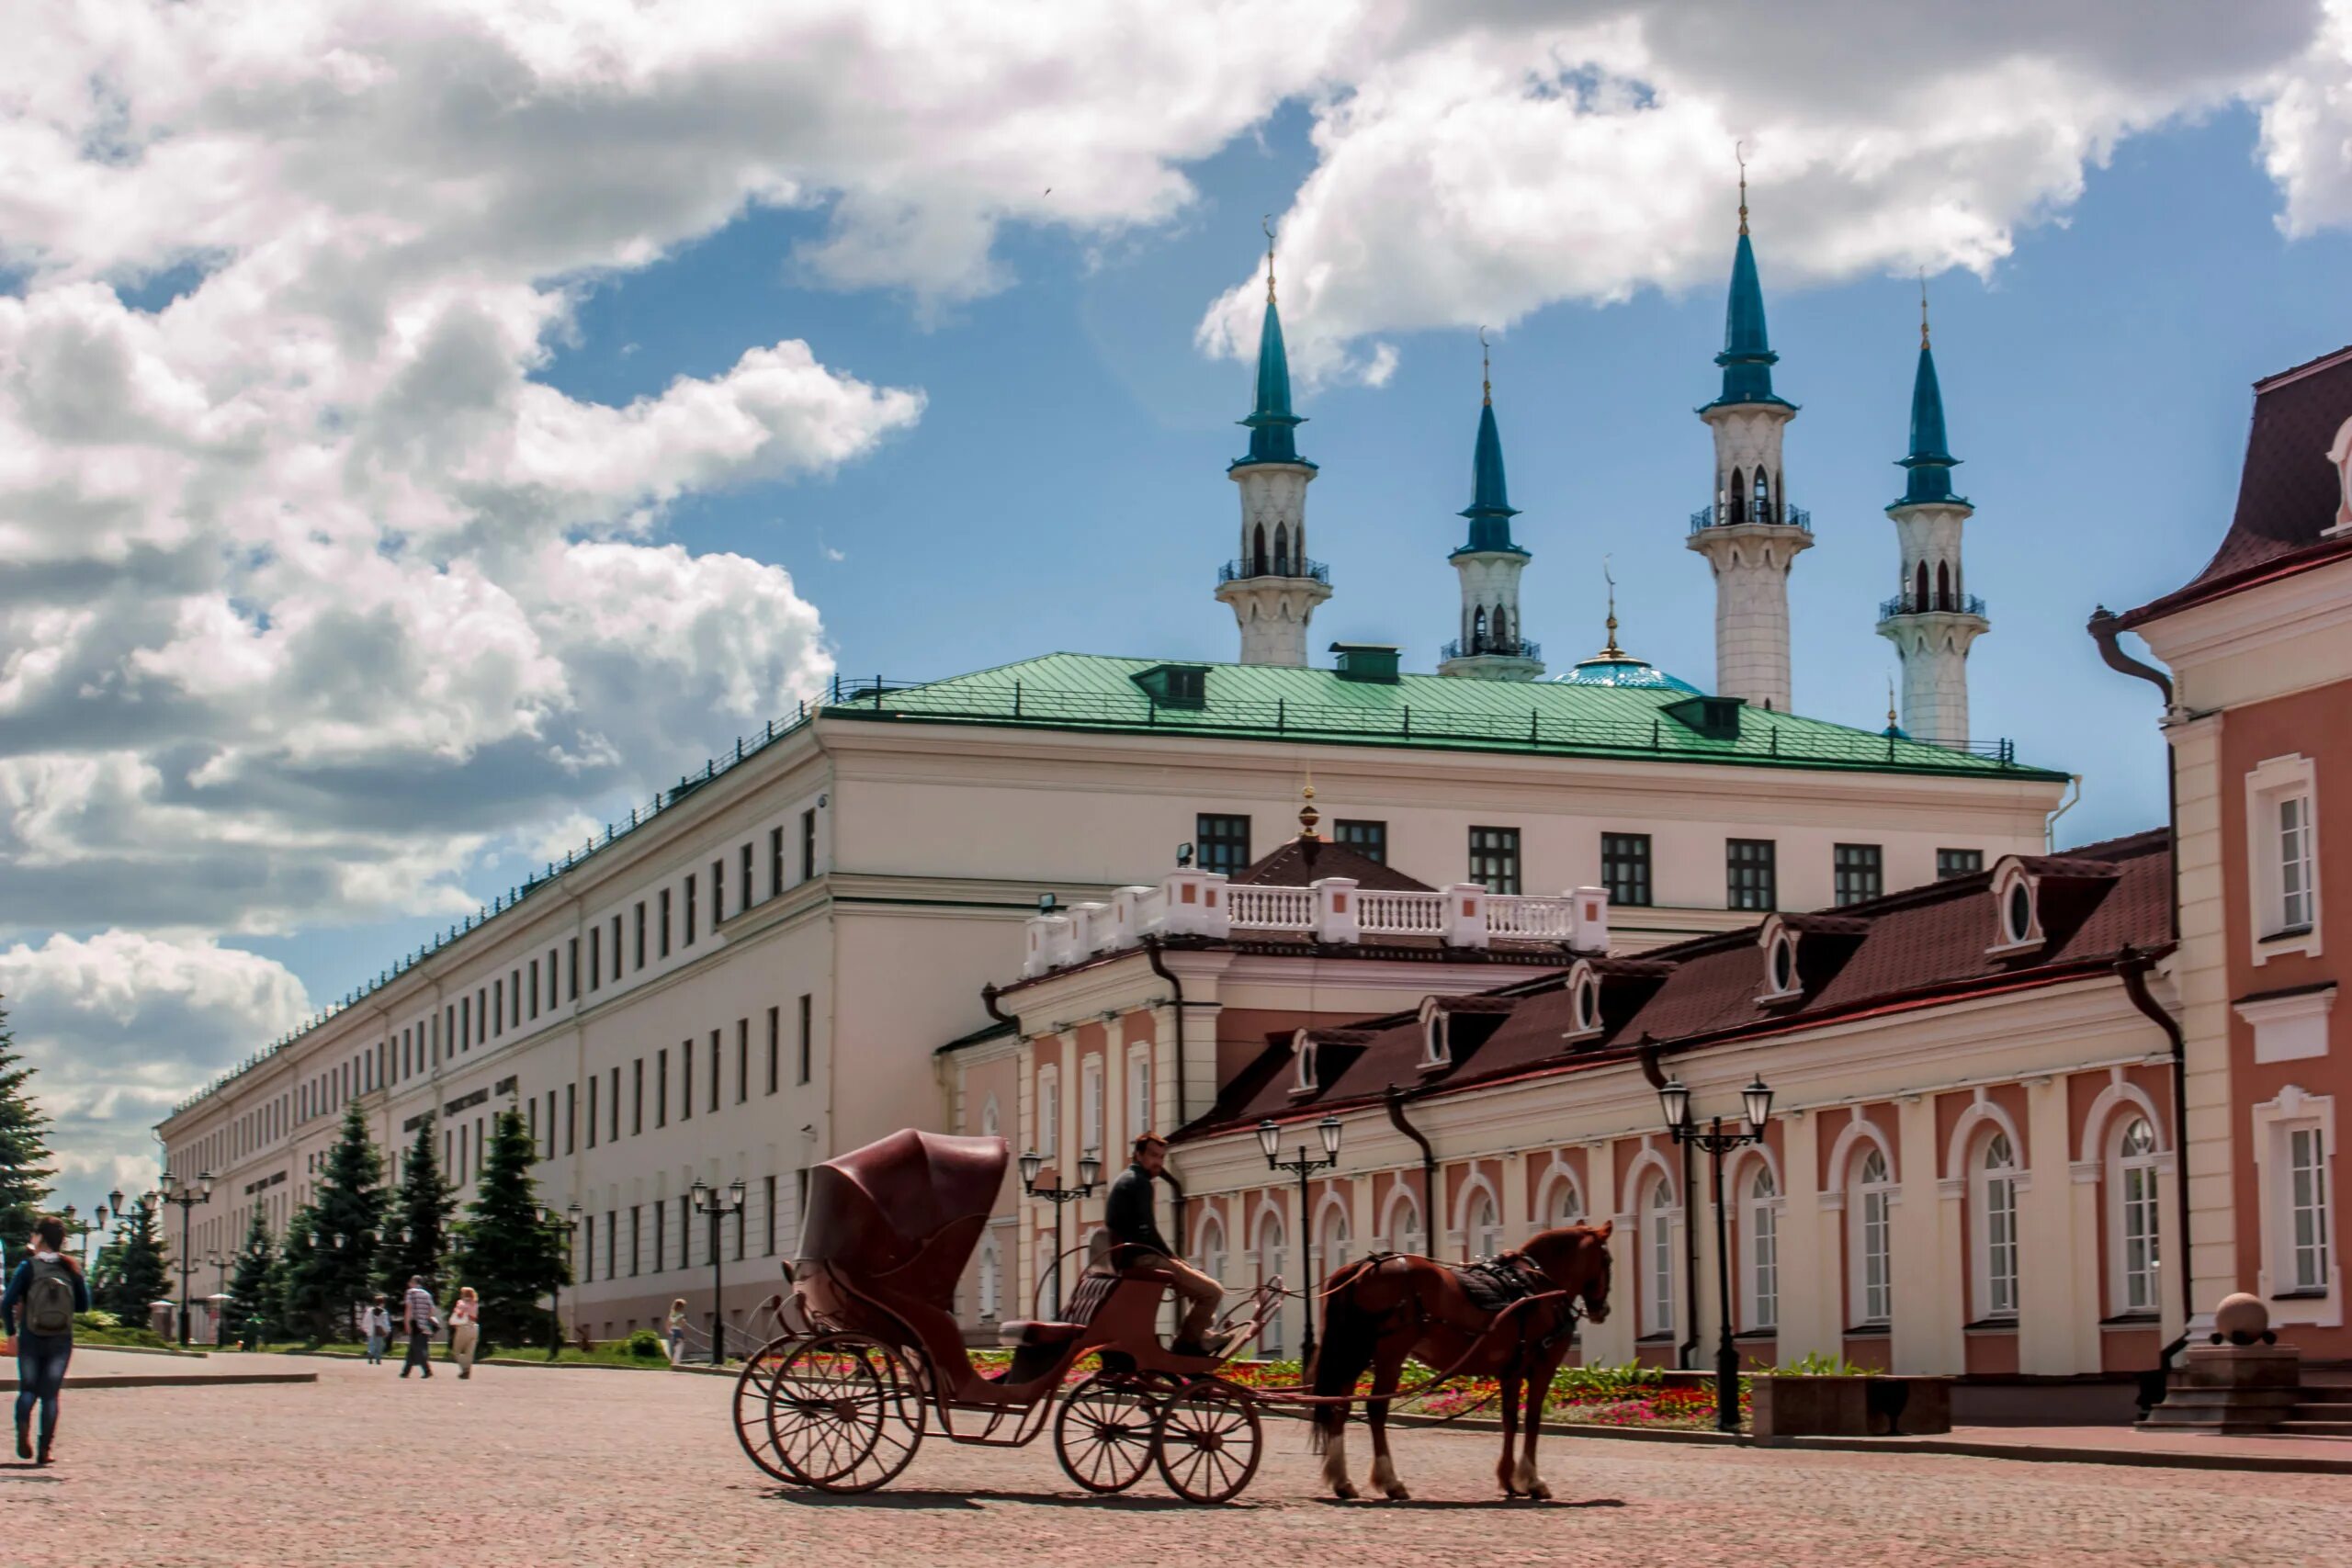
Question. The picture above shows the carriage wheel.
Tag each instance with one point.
(842, 1413)
(1103, 1433)
(1209, 1442)
(754, 1391)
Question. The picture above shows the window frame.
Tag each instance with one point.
(2136, 1290)
(1870, 1238)
(2272, 787)
(1758, 1259)
(1497, 863)
(1366, 835)
(1755, 861)
(1952, 862)
(1857, 873)
(1998, 1263)
(1627, 864)
(1218, 837)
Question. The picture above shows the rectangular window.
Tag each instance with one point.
(743, 899)
(534, 987)
(533, 1126)
(776, 1044)
(515, 996)
(1090, 1111)
(799, 1200)
(775, 861)
(588, 1249)
(1764, 1248)
(2294, 864)
(1494, 858)
(743, 1060)
(1858, 872)
(686, 1232)
(482, 1016)
(617, 947)
(1958, 862)
(2001, 1246)
(661, 1237)
(1049, 1113)
(616, 1105)
(2139, 1201)
(1750, 883)
(1221, 842)
(612, 1241)
(801, 1075)
(663, 935)
(808, 845)
(592, 1111)
(571, 1117)
(571, 970)
(768, 1206)
(1625, 868)
(661, 1088)
(637, 1099)
(690, 910)
(714, 1071)
(1138, 1096)
(635, 1239)
(1369, 839)
(498, 1006)
(596, 957)
(1878, 1284)
(685, 1080)
(2307, 1208)
(718, 893)
(550, 1153)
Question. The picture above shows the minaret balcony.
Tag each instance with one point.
(1932, 605)
(1275, 566)
(1490, 648)
(1736, 517)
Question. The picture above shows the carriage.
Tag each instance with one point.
(872, 1354)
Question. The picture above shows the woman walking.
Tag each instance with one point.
(677, 1331)
(377, 1321)
(37, 1307)
(465, 1329)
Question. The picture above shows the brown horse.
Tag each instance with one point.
(1381, 1312)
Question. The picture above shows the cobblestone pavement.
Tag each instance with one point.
(527, 1466)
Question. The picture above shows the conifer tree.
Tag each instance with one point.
(346, 1219)
(302, 1306)
(24, 1150)
(136, 1274)
(419, 1246)
(505, 1251)
(253, 1298)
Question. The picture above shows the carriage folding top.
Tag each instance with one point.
(905, 1213)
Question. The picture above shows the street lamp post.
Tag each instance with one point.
(220, 1293)
(568, 1224)
(184, 1199)
(1270, 1139)
(718, 1205)
(1090, 1171)
(1675, 1100)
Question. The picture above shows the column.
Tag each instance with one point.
(1929, 1313)
(1610, 1343)
(1809, 1324)
(2200, 972)
(2047, 1241)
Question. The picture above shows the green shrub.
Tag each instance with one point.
(645, 1345)
(1817, 1365)
(106, 1328)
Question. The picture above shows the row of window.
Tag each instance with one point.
(1750, 865)
(1090, 1104)
(643, 1247)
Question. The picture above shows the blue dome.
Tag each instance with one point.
(1607, 669)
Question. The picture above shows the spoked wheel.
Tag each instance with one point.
(754, 1389)
(1209, 1442)
(843, 1415)
(1103, 1433)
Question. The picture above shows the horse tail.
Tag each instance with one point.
(1341, 1356)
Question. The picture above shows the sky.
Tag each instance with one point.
(425, 429)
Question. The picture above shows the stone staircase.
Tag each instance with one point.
(2323, 1406)
(2257, 1392)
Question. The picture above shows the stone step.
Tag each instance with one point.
(2189, 1396)
(2320, 1410)
(2314, 1428)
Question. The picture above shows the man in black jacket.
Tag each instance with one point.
(1127, 1215)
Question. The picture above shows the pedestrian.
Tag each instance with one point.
(37, 1307)
(376, 1323)
(418, 1317)
(677, 1331)
(465, 1329)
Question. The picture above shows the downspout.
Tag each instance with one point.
(2049, 823)
(2103, 632)
(1683, 1352)
(2132, 967)
(1395, 1101)
(1176, 992)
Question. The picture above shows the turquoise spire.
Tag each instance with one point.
(1272, 423)
(1747, 358)
(1490, 510)
(1930, 461)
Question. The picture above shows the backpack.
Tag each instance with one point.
(49, 1303)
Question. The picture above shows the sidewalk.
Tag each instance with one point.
(100, 1367)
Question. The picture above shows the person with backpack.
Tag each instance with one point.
(37, 1307)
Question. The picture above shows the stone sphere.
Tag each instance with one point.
(2241, 1319)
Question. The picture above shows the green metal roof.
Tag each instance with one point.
(1265, 702)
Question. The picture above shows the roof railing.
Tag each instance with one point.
(1932, 605)
(1497, 647)
(1273, 566)
(1736, 515)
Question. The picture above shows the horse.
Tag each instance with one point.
(1382, 1310)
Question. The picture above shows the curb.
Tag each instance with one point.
(171, 1380)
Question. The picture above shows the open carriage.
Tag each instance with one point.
(874, 1355)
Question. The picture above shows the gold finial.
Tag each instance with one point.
(1307, 815)
(1739, 151)
(1267, 224)
(1891, 723)
(1923, 307)
(1612, 650)
(1485, 370)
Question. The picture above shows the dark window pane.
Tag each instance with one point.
(1749, 875)
(1369, 839)
(1859, 873)
(1625, 867)
(1221, 843)
(1494, 858)
(1958, 862)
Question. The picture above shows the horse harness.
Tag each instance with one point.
(1495, 1287)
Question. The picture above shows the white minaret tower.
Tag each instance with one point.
(1749, 533)
(1933, 617)
(1272, 587)
(1491, 647)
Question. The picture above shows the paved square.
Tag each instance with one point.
(527, 1466)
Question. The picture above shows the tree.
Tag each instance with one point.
(303, 1305)
(135, 1273)
(253, 1294)
(346, 1219)
(419, 1246)
(505, 1251)
(24, 1150)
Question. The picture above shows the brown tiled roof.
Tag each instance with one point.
(1301, 861)
(1914, 948)
(2289, 492)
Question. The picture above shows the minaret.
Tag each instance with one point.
(1491, 647)
(1274, 588)
(1932, 618)
(1748, 532)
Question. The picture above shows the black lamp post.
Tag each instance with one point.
(566, 1224)
(184, 1199)
(1675, 1100)
(718, 1205)
(1090, 1171)
(220, 1266)
(1270, 1139)
(76, 1226)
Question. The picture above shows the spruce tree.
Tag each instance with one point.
(253, 1309)
(136, 1276)
(347, 1217)
(302, 1307)
(24, 1150)
(419, 1246)
(505, 1252)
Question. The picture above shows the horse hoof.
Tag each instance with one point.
(1344, 1493)
(1399, 1495)
(1539, 1492)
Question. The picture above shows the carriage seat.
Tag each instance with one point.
(1038, 1333)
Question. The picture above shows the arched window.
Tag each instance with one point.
(1763, 498)
(1567, 1204)
(1484, 1237)
(1919, 592)
(1272, 1257)
(1658, 1259)
(1739, 496)
(1258, 553)
(990, 1118)
(1337, 1243)
(1282, 550)
(1478, 629)
(1405, 1227)
(992, 1280)
(1868, 1213)
(1208, 1246)
(1760, 1246)
(2134, 1212)
(1995, 1225)
(1502, 629)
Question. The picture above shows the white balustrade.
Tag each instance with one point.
(1383, 913)
(1530, 916)
(1272, 908)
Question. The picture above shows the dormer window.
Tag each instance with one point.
(1783, 981)
(1302, 1046)
(1436, 1049)
(1584, 1002)
(2339, 454)
(2017, 912)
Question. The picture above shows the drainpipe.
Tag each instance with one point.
(2132, 967)
(2049, 823)
(1683, 1352)
(1395, 1101)
(989, 995)
(2103, 632)
(1176, 992)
